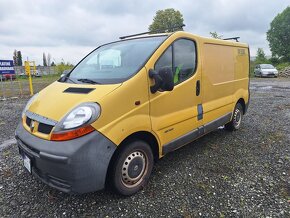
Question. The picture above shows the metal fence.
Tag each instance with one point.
(40, 69)
(20, 88)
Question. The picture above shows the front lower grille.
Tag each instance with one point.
(53, 181)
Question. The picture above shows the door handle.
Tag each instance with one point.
(197, 88)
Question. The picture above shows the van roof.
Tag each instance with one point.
(227, 41)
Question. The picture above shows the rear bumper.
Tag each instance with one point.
(75, 166)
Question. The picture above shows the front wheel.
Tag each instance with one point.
(132, 168)
(236, 121)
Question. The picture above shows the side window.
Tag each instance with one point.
(165, 60)
(184, 60)
(181, 58)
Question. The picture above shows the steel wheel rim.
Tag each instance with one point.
(237, 118)
(134, 169)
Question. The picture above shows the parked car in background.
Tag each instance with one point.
(22, 75)
(8, 77)
(265, 70)
(37, 74)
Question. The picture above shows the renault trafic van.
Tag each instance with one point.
(129, 103)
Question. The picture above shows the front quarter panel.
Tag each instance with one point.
(126, 110)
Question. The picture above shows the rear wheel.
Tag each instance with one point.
(132, 168)
(236, 121)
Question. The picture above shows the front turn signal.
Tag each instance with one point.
(71, 134)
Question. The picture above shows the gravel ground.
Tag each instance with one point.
(10, 113)
(240, 174)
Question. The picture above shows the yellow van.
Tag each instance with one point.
(129, 103)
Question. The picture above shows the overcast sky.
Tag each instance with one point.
(69, 29)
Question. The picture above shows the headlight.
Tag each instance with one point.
(85, 113)
(28, 104)
(77, 122)
(77, 117)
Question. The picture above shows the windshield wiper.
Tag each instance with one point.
(67, 78)
(90, 81)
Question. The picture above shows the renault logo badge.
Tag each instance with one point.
(32, 126)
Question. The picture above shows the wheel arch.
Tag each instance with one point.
(141, 135)
(242, 102)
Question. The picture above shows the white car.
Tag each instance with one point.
(265, 70)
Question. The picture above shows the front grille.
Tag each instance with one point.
(44, 128)
(28, 121)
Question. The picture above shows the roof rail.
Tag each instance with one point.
(233, 38)
(171, 29)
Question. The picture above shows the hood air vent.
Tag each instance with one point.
(78, 90)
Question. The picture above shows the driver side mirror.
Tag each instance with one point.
(163, 79)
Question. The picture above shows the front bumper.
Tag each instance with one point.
(75, 166)
(269, 74)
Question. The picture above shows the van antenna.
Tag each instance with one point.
(233, 38)
(171, 29)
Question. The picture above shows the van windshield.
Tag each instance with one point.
(115, 62)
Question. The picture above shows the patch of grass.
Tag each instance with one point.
(226, 178)
(285, 193)
(51, 77)
(276, 136)
(6, 153)
(20, 87)
(7, 173)
(222, 215)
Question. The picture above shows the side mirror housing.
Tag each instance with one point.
(163, 79)
(63, 76)
(64, 73)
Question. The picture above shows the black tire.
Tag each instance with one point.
(132, 168)
(237, 118)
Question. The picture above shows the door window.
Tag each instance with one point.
(181, 57)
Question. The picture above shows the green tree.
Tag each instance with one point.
(274, 60)
(261, 57)
(44, 60)
(167, 20)
(279, 35)
(215, 35)
(59, 68)
(15, 57)
(19, 58)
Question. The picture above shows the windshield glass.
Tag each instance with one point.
(116, 62)
(267, 66)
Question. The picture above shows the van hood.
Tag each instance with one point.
(56, 100)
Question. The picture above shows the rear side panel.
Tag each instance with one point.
(224, 78)
(242, 65)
